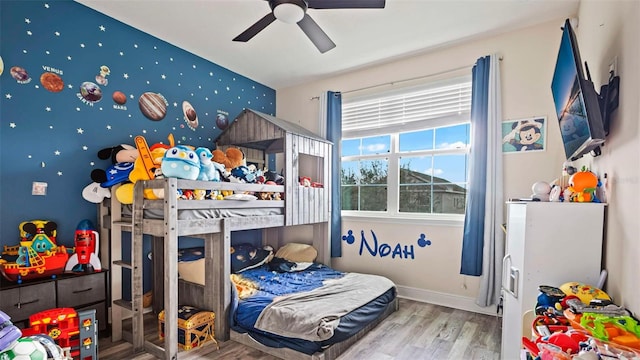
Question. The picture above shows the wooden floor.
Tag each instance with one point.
(416, 331)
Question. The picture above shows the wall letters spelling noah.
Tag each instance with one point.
(383, 249)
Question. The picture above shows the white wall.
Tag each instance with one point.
(529, 57)
(607, 29)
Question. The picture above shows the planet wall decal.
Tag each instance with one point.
(90, 91)
(153, 106)
(52, 81)
(222, 121)
(119, 97)
(190, 115)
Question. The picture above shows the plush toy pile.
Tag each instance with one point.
(142, 162)
(580, 322)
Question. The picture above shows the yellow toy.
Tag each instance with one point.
(584, 292)
(146, 167)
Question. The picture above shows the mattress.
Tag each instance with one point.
(189, 214)
(245, 311)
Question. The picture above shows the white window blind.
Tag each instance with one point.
(408, 106)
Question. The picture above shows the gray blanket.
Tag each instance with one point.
(315, 314)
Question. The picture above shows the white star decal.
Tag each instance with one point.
(102, 28)
(51, 127)
(36, 86)
(148, 82)
(175, 104)
(77, 109)
(135, 46)
(126, 76)
(194, 66)
(131, 96)
(92, 163)
(69, 57)
(12, 125)
(85, 148)
(57, 33)
(108, 127)
(59, 173)
(156, 63)
(56, 153)
(48, 109)
(46, 6)
(121, 53)
(210, 73)
(99, 44)
(27, 20)
(113, 171)
(170, 59)
(80, 131)
(47, 52)
(24, 51)
(70, 86)
(206, 98)
(29, 32)
(82, 45)
(8, 96)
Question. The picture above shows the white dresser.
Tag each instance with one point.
(548, 243)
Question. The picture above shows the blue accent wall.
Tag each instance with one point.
(52, 134)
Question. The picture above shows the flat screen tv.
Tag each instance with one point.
(576, 101)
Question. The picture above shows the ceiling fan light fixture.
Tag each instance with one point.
(288, 13)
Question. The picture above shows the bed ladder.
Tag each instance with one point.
(123, 309)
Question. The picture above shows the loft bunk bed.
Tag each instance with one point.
(167, 219)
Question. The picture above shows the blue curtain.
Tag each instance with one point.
(334, 134)
(473, 238)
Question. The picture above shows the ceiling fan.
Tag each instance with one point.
(295, 11)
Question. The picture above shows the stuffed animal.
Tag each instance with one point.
(181, 162)
(146, 167)
(122, 157)
(209, 170)
(230, 158)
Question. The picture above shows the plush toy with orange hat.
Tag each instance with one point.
(582, 186)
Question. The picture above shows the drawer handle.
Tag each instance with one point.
(19, 305)
(81, 291)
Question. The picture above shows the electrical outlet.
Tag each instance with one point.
(613, 66)
(39, 188)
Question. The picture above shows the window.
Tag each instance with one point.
(406, 153)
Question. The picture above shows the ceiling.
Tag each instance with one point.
(281, 55)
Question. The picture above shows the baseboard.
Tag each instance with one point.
(443, 299)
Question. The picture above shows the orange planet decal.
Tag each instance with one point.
(190, 115)
(52, 81)
(119, 97)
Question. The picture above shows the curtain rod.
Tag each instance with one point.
(409, 79)
(406, 80)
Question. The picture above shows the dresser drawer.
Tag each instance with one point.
(19, 303)
(81, 290)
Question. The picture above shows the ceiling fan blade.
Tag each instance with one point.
(254, 29)
(318, 37)
(346, 4)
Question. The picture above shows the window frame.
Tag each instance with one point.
(392, 157)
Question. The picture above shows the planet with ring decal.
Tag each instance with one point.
(190, 115)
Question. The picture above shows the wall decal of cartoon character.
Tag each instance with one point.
(525, 135)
